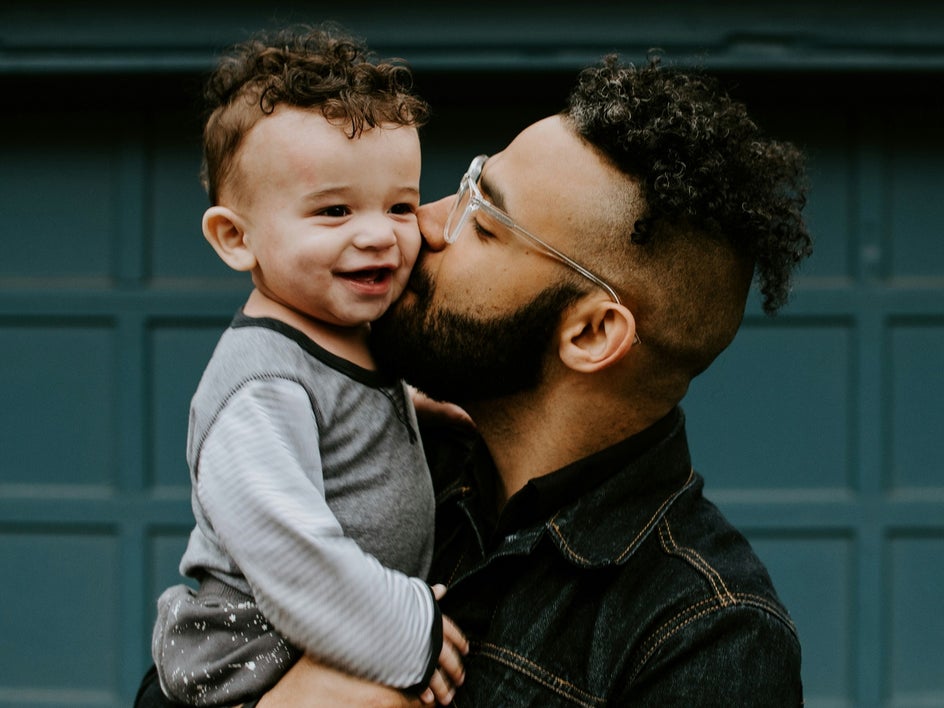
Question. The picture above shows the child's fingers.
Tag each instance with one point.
(454, 648)
(441, 688)
(454, 636)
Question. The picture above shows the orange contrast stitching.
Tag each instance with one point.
(642, 532)
(713, 576)
(555, 683)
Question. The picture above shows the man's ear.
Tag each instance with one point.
(595, 335)
(225, 231)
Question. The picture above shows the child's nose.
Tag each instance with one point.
(376, 233)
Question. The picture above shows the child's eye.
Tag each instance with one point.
(402, 208)
(337, 211)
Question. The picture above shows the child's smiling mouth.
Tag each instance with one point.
(370, 279)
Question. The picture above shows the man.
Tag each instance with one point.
(593, 268)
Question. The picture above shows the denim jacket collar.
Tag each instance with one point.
(647, 489)
(639, 498)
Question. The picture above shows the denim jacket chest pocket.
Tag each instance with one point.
(535, 640)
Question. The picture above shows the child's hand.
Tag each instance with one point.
(451, 673)
(436, 411)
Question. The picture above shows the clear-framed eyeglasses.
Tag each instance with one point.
(469, 200)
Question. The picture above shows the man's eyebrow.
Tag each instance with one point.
(490, 191)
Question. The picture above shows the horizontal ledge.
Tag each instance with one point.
(494, 59)
(58, 696)
(103, 513)
(794, 512)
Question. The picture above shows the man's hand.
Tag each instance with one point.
(309, 684)
(432, 411)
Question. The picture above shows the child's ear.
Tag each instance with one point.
(225, 231)
(596, 334)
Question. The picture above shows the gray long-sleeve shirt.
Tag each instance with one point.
(311, 493)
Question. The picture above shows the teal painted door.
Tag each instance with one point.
(818, 432)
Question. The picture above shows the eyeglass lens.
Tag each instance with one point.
(458, 214)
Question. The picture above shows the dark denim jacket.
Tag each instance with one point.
(637, 592)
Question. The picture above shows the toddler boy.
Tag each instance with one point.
(312, 499)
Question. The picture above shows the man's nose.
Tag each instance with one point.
(432, 221)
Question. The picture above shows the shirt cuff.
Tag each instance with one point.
(436, 642)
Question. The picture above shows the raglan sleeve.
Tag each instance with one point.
(260, 483)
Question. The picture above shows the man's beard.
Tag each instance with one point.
(458, 357)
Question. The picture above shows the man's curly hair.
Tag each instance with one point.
(304, 67)
(702, 164)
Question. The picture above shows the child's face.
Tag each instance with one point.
(330, 220)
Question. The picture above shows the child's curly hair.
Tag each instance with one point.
(304, 67)
(702, 163)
